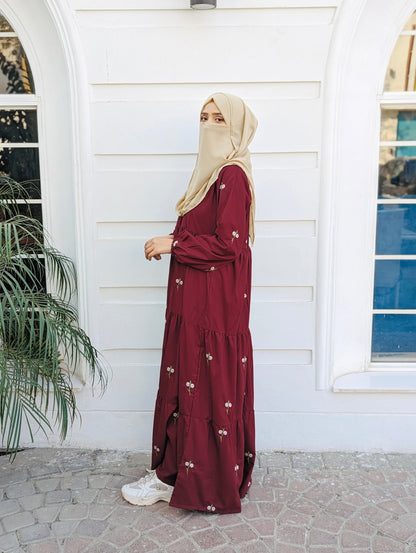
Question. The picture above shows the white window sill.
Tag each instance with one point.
(376, 381)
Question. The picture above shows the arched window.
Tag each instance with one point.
(19, 143)
(394, 307)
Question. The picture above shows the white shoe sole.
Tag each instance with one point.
(143, 501)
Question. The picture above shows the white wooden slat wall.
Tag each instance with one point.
(150, 64)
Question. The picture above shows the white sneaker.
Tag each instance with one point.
(147, 490)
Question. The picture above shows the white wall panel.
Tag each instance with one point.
(172, 127)
(116, 19)
(252, 54)
(197, 92)
(284, 325)
(144, 5)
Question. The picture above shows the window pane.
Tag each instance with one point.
(15, 75)
(396, 229)
(397, 175)
(18, 125)
(401, 71)
(5, 25)
(31, 210)
(22, 164)
(395, 284)
(394, 337)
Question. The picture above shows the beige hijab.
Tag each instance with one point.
(221, 145)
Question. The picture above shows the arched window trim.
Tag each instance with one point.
(69, 161)
(353, 98)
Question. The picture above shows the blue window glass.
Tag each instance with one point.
(396, 229)
(394, 336)
(395, 284)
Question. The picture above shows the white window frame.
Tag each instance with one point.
(364, 37)
(48, 33)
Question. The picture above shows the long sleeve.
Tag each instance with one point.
(210, 251)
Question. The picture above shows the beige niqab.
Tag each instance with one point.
(219, 146)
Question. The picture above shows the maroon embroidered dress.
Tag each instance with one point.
(203, 434)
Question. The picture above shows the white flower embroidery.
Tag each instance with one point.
(222, 432)
(156, 449)
(245, 296)
(211, 508)
(175, 243)
(249, 455)
(235, 235)
(190, 385)
(244, 360)
(228, 406)
(212, 269)
(170, 370)
(189, 465)
(175, 416)
(179, 282)
(236, 468)
(222, 186)
(209, 357)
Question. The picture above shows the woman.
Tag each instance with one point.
(203, 433)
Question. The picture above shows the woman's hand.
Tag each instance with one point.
(156, 246)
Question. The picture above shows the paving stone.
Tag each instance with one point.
(18, 520)
(182, 546)
(352, 540)
(142, 545)
(75, 545)
(207, 539)
(20, 490)
(8, 507)
(100, 512)
(75, 462)
(74, 482)
(308, 460)
(9, 477)
(291, 534)
(397, 530)
(108, 496)
(381, 544)
(256, 493)
(8, 542)
(31, 502)
(47, 546)
(58, 496)
(287, 548)
(64, 528)
(98, 481)
(91, 528)
(256, 547)
(47, 514)
(320, 537)
(102, 547)
(120, 536)
(84, 496)
(239, 534)
(73, 512)
(281, 460)
(36, 471)
(339, 460)
(47, 484)
(165, 534)
(33, 533)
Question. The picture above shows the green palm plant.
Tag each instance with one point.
(36, 325)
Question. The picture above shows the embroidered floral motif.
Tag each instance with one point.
(244, 360)
(222, 432)
(236, 468)
(222, 186)
(245, 296)
(174, 244)
(179, 282)
(248, 455)
(189, 465)
(170, 370)
(209, 358)
(156, 450)
(175, 416)
(211, 508)
(228, 406)
(235, 235)
(190, 385)
(212, 269)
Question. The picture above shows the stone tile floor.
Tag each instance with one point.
(68, 501)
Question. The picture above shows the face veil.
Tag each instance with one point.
(219, 146)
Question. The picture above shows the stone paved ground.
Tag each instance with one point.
(66, 500)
